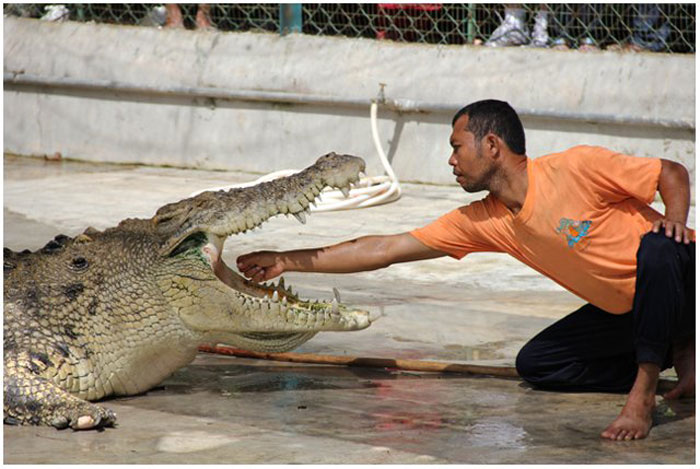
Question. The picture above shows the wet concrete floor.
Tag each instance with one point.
(232, 410)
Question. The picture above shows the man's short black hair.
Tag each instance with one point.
(497, 117)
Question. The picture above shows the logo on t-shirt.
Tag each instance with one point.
(573, 230)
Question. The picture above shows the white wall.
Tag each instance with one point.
(261, 137)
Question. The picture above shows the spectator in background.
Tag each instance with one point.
(650, 29)
(513, 30)
(580, 23)
(174, 17)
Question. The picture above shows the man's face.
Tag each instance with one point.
(473, 169)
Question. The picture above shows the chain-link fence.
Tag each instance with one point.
(653, 27)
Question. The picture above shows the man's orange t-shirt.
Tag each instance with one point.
(585, 212)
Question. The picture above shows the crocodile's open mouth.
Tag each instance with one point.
(200, 225)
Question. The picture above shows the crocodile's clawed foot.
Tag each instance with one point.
(85, 417)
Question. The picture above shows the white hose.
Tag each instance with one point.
(366, 192)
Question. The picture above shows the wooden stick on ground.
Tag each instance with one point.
(369, 362)
(408, 365)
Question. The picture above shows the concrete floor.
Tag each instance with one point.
(232, 410)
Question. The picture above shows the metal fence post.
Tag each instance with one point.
(471, 23)
(290, 18)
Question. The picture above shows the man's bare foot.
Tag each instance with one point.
(684, 363)
(634, 421)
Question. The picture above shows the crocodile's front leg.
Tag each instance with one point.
(32, 399)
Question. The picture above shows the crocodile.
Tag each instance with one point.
(115, 312)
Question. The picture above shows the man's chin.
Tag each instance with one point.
(471, 188)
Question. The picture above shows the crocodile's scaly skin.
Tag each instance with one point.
(115, 312)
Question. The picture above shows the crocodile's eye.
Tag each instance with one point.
(79, 263)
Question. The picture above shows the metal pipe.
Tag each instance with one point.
(471, 23)
(290, 18)
(397, 105)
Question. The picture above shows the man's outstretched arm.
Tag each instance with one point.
(674, 187)
(357, 255)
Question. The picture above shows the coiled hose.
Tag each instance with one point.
(368, 191)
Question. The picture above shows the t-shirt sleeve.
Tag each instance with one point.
(616, 176)
(457, 233)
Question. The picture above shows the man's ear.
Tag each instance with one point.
(491, 145)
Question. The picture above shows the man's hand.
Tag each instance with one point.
(674, 187)
(674, 229)
(261, 266)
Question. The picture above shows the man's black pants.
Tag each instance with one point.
(592, 350)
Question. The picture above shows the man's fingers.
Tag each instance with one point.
(251, 272)
(669, 229)
(673, 229)
(243, 262)
(260, 276)
(682, 234)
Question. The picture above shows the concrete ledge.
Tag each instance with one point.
(119, 125)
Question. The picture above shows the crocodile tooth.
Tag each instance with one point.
(301, 217)
(284, 300)
(336, 294)
(295, 207)
(345, 191)
(275, 297)
(334, 306)
(281, 284)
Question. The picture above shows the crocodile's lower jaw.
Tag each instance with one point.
(282, 301)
